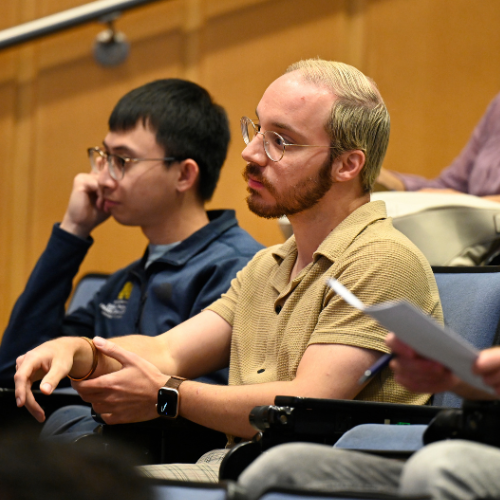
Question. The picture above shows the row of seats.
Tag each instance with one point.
(471, 306)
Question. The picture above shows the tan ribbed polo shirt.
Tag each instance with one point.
(275, 320)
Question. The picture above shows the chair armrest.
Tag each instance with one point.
(317, 421)
(325, 420)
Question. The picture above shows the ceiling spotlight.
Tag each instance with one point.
(111, 47)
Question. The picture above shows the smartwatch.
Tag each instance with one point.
(169, 397)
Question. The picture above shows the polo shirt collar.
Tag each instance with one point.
(336, 243)
(342, 236)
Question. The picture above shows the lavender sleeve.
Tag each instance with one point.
(477, 169)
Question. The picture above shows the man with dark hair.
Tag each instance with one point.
(159, 163)
(313, 155)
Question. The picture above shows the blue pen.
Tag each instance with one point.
(379, 365)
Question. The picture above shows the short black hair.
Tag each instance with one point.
(187, 123)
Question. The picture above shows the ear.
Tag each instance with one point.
(348, 165)
(189, 172)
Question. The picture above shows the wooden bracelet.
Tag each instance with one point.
(94, 361)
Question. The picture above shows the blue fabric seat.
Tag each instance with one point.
(85, 289)
(471, 305)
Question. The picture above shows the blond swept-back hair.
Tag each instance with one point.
(359, 118)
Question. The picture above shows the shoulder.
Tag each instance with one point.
(384, 253)
(383, 238)
(238, 240)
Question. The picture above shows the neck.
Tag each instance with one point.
(177, 225)
(312, 226)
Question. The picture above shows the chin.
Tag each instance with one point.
(123, 221)
(258, 207)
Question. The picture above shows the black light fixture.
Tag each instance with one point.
(111, 47)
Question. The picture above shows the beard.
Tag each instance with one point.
(307, 193)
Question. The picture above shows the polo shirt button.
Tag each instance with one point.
(278, 309)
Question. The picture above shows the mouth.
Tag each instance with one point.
(108, 204)
(254, 184)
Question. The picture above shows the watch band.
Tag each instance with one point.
(174, 382)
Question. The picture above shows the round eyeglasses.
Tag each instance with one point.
(116, 164)
(274, 144)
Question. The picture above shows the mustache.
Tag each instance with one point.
(255, 171)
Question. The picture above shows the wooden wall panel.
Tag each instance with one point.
(435, 61)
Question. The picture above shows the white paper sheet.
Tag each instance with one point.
(429, 338)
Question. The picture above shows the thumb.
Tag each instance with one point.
(115, 351)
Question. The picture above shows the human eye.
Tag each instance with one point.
(276, 139)
(119, 161)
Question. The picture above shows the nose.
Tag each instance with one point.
(254, 151)
(104, 176)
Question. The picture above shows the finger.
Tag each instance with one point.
(26, 374)
(107, 417)
(399, 348)
(418, 366)
(56, 373)
(116, 352)
(100, 200)
(34, 408)
(493, 380)
(488, 361)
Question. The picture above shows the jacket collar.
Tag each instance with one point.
(219, 222)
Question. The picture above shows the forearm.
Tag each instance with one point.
(495, 198)
(390, 180)
(226, 408)
(39, 312)
(152, 349)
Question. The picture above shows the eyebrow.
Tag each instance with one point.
(284, 126)
(121, 149)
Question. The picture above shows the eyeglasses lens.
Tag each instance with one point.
(96, 160)
(247, 130)
(274, 145)
(99, 159)
(273, 142)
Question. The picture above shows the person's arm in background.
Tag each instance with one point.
(456, 177)
(390, 180)
(39, 313)
(420, 374)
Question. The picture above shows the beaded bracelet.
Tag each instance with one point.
(94, 361)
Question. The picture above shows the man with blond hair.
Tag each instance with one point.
(321, 136)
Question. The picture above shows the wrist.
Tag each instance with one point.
(85, 359)
(73, 228)
(169, 399)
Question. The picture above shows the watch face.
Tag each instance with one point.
(168, 402)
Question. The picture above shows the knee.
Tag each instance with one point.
(63, 418)
(277, 467)
(427, 470)
(277, 461)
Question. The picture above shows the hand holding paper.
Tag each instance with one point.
(422, 333)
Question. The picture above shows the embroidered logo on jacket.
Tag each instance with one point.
(117, 308)
(126, 291)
